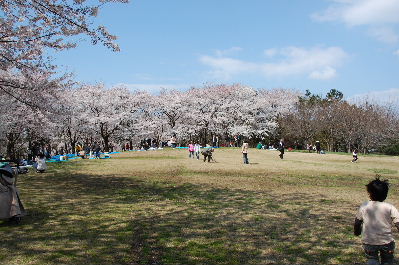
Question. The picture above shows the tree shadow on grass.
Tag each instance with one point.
(92, 219)
(241, 227)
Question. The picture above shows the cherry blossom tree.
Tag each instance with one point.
(28, 28)
(21, 127)
(231, 110)
(205, 103)
(108, 111)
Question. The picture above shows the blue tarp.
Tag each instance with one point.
(72, 156)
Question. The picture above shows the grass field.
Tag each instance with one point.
(160, 207)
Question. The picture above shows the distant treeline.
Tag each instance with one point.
(113, 117)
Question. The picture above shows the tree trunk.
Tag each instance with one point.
(11, 140)
(106, 143)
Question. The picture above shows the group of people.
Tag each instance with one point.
(281, 148)
(194, 151)
(88, 151)
(245, 146)
(316, 147)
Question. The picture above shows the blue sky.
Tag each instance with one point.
(349, 45)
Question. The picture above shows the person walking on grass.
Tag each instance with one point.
(191, 150)
(197, 150)
(244, 151)
(281, 147)
(374, 221)
(354, 156)
(318, 147)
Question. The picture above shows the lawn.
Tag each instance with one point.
(160, 207)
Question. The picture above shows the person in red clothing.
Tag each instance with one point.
(191, 150)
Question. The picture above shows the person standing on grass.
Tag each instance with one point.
(318, 147)
(244, 151)
(354, 156)
(281, 147)
(191, 150)
(87, 150)
(97, 150)
(309, 147)
(197, 150)
(374, 221)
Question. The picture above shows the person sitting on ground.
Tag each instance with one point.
(374, 221)
(208, 154)
(41, 165)
(309, 147)
(259, 146)
(78, 149)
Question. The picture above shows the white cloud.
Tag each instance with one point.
(324, 74)
(396, 52)
(271, 52)
(153, 88)
(389, 96)
(384, 34)
(361, 12)
(232, 50)
(380, 15)
(224, 67)
(316, 63)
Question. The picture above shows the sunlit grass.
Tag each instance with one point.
(160, 207)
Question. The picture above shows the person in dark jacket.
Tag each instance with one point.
(208, 154)
(281, 147)
(318, 147)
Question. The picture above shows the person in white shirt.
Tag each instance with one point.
(374, 221)
(197, 150)
(244, 151)
(41, 163)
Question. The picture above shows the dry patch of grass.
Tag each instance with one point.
(161, 207)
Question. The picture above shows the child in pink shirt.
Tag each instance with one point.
(191, 150)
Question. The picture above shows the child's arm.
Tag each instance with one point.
(357, 228)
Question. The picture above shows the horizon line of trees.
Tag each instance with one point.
(91, 114)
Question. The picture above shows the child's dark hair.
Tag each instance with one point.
(378, 189)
